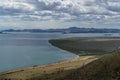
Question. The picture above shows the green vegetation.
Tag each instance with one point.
(87, 46)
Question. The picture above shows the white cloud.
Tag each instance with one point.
(60, 10)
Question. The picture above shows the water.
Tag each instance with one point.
(19, 50)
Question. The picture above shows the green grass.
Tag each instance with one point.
(86, 46)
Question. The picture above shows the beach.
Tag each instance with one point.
(37, 71)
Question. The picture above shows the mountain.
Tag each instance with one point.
(67, 30)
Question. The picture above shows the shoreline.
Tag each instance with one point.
(77, 56)
(62, 49)
(26, 73)
(45, 64)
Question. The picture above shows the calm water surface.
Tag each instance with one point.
(19, 50)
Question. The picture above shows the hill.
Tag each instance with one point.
(105, 68)
(66, 30)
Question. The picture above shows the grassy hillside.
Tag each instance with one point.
(105, 68)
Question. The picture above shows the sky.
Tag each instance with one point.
(44, 14)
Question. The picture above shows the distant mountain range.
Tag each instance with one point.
(66, 30)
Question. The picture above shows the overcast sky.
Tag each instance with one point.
(59, 13)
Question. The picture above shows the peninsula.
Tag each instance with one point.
(98, 59)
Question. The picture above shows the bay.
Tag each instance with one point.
(20, 50)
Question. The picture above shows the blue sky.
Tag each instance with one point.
(59, 13)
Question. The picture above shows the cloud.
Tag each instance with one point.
(15, 8)
(77, 8)
(113, 6)
(61, 10)
(45, 4)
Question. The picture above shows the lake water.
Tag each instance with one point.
(19, 50)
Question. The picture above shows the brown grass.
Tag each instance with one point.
(39, 71)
